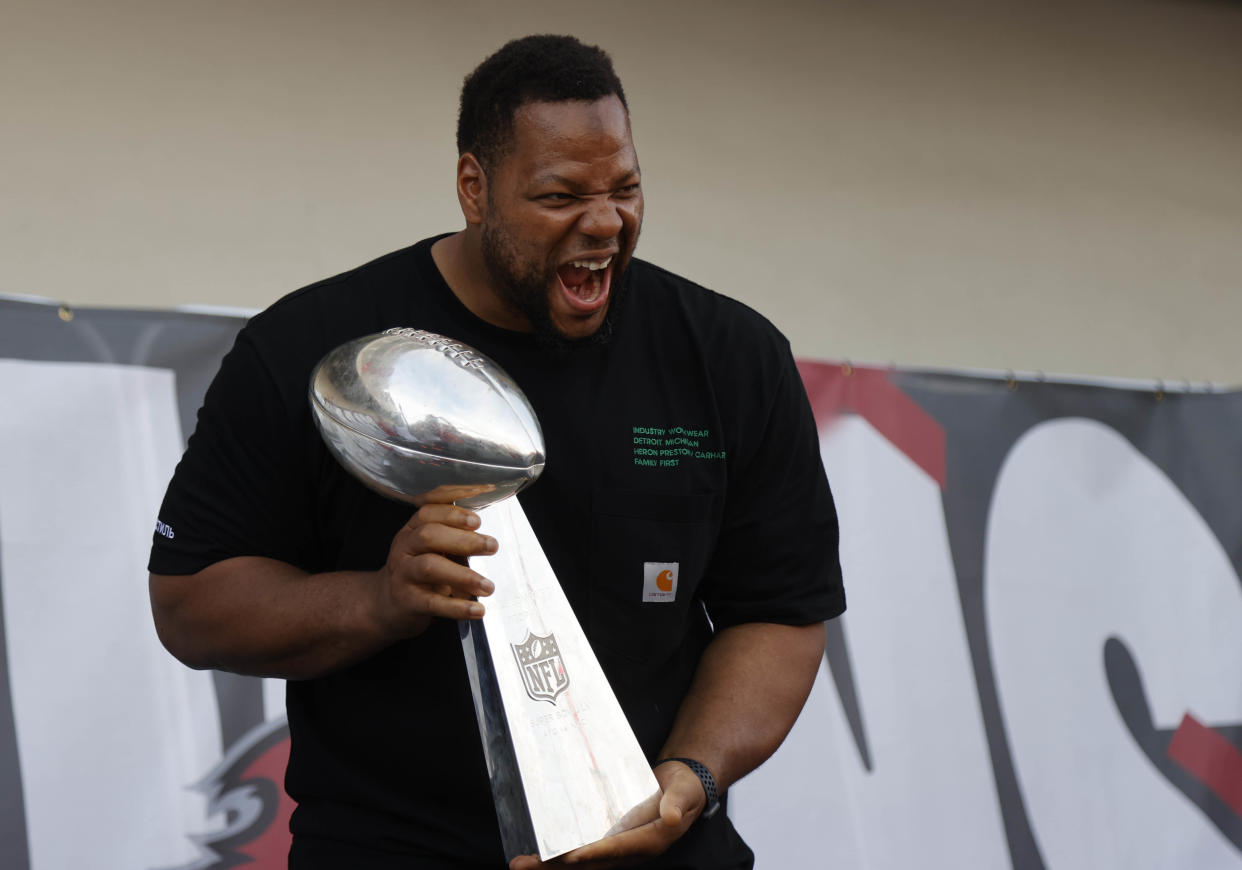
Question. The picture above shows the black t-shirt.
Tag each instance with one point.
(687, 439)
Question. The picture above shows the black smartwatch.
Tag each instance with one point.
(706, 778)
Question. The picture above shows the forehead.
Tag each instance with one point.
(591, 133)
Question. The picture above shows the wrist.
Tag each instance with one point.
(710, 792)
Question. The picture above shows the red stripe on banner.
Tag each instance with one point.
(867, 392)
(1209, 758)
(269, 850)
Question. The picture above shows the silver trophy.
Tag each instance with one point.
(421, 418)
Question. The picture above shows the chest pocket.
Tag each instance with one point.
(648, 554)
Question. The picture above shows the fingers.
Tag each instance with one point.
(446, 514)
(445, 529)
(441, 575)
(624, 849)
(427, 585)
(647, 830)
(427, 573)
(618, 850)
(446, 600)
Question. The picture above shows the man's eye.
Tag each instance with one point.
(557, 197)
(628, 190)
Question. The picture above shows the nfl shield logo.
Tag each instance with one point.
(543, 672)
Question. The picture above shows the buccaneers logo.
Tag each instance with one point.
(247, 790)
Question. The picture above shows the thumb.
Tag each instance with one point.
(671, 806)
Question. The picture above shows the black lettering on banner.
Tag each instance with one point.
(980, 433)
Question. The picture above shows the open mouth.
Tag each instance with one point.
(586, 282)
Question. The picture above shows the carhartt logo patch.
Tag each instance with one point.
(660, 581)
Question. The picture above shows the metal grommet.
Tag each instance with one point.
(65, 313)
(1011, 381)
(847, 368)
(1159, 391)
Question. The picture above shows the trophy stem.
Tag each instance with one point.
(578, 762)
(517, 833)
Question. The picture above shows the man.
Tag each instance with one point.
(283, 565)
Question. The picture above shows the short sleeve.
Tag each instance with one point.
(776, 559)
(236, 490)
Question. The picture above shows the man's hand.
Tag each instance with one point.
(426, 573)
(646, 831)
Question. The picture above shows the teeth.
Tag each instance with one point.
(593, 265)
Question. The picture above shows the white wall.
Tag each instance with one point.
(1052, 186)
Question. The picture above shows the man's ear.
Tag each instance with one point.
(471, 188)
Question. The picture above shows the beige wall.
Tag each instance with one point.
(1035, 186)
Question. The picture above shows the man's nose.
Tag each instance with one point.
(602, 219)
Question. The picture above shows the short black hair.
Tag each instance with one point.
(532, 69)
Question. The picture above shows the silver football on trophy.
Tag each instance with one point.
(423, 418)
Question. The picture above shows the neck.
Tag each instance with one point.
(459, 258)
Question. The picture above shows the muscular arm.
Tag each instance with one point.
(749, 688)
(263, 617)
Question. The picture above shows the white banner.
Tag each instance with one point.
(110, 730)
(1041, 665)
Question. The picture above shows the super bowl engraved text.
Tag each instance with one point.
(543, 672)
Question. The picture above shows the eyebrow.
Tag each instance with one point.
(630, 177)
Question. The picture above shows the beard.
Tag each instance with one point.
(524, 285)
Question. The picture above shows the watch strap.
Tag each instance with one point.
(706, 778)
